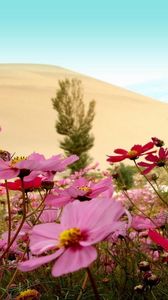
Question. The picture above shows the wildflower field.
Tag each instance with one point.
(88, 234)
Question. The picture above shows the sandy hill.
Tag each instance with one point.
(27, 118)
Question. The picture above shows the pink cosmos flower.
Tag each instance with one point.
(82, 225)
(159, 160)
(158, 239)
(82, 189)
(49, 167)
(16, 167)
(34, 165)
(88, 189)
(134, 153)
(141, 223)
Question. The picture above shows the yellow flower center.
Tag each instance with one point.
(70, 237)
(132, 154)
(85, 188)
(17, 159)
(28, 295)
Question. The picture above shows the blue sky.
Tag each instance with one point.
(124, 42)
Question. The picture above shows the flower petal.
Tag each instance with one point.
(74, 259)
(158, 239)
(37, 262)
(147, 146)
(39, 244)
(121, 151)
(116, 158)
(47, 230)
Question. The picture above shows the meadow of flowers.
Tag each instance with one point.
(82, 236)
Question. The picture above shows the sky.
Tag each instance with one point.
(123, 42)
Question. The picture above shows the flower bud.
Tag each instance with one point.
(144, 266)
(139, 288)
(157, 142)
(151, 279)
(48, 185)
(5, 155)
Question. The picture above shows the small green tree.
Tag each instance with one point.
(73, 122)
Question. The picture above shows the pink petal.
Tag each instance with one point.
(47, 230)
(104, 182)
(49, 215)
(80, 182)
(57, 201)
(26, 164)
(67, 161)
(37, 262)
(95, 193)
(74, 259)
(100, 233)
(6, 171)
(141, 223)
(39, 244)
(36, 156)
(101, 212)
(95, 213)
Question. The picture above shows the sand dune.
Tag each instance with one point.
(27, 118)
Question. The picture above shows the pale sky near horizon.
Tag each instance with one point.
(123, 42)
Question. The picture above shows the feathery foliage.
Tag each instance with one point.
(73, 122)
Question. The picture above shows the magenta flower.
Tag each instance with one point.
(82, 189)
(28, 185)
(159, 160)
(82, 225)
(158, 239)
(133, 153)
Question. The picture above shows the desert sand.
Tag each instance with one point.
(123, 118)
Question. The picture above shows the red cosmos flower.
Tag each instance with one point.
(158, 239)
(159, 160)
(134, 153)
(28, 185)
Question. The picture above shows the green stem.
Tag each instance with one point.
(146, 216)
(155, 190)
(83, 286)
(9, 212)
(93, 284)
(21, 224)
